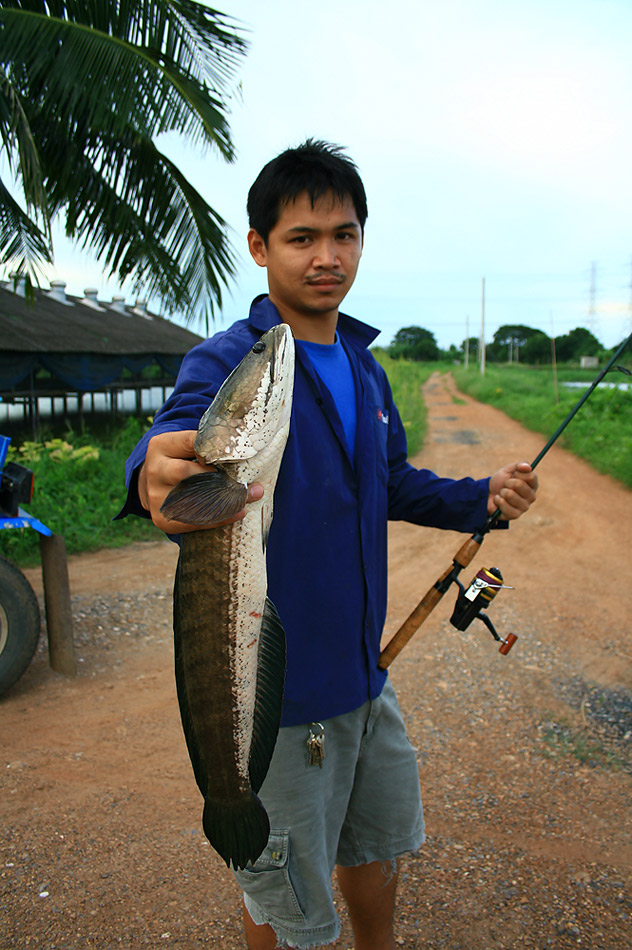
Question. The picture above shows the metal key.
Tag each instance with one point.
(316, 744)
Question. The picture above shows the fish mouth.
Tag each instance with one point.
(282, 337)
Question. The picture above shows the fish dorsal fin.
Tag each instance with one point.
(205, 499)
(270, 680)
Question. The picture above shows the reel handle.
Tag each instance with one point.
(507, 644)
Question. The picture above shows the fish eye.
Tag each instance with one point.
(259, 347)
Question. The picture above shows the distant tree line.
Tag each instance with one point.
(512, 343)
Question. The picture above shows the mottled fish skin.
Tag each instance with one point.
(229, 642)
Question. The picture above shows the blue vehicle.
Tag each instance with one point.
(20, 620)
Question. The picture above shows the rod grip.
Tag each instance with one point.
(466, 553)
(409, 627)
(412, 623)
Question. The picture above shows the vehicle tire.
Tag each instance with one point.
(20, 624)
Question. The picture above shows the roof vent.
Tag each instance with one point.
(90, 298)
(17, 283)
(58, 292)
(140, 309)
(118, 303)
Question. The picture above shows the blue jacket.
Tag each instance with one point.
(327, 550)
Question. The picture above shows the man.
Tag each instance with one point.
(344, 474)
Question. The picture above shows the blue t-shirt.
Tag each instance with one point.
(332, 365)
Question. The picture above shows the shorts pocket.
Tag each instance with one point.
(267, 881)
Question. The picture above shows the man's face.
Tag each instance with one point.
(312, 256)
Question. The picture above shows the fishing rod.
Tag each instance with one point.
(471, 601)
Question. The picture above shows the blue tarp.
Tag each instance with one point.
(83, 372)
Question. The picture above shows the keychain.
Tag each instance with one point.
(316, 744)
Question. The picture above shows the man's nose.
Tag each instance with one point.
(326, 254)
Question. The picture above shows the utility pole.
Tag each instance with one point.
(467, 341)
(630, 306)
(554, 361)
(592, 306)
(482, 343)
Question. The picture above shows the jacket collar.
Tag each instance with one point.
(264, 315)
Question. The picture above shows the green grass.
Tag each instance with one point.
(600, 433)
(561, 739)
(78, 490)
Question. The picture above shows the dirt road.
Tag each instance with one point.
(525, 760)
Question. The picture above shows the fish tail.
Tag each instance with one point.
(238, 831)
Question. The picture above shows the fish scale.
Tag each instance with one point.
(229, 641)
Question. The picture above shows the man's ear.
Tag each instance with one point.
(257, 248)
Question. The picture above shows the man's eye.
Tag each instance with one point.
(300, 239)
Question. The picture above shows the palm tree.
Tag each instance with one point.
(85, 87)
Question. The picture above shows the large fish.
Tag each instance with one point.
(229, 642)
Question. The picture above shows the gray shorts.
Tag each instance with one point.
(363, 805)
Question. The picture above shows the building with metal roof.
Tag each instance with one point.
(56, 348)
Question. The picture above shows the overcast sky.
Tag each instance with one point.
(494, 140)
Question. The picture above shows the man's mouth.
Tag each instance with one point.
(331, 280)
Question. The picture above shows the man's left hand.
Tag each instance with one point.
(513, 490)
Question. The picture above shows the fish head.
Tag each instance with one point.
(253, 404)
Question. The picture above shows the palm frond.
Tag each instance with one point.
(95, 81)
(81, 63)
(144, 220)
(22, 243)
(16, 136)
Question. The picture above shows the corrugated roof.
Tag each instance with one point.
(46, 325)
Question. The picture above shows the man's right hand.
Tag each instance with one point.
(171, 458)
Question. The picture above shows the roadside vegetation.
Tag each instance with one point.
(520, 381)
(78, 491)
(601, 433)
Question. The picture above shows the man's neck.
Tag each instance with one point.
(315, 328)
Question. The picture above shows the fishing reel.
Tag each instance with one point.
(474, 599)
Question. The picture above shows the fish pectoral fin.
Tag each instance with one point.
(205, 499)
(269, 695)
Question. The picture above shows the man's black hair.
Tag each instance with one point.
(315, 167)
